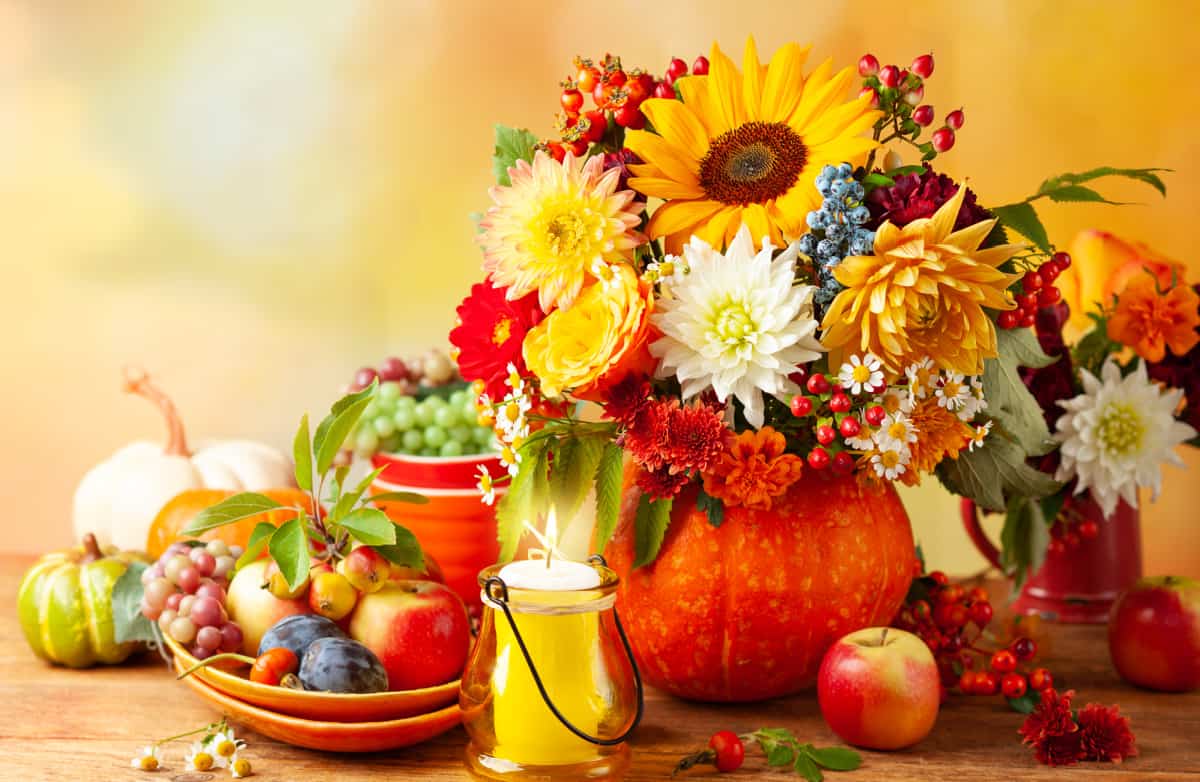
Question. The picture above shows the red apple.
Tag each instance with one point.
(1154, 634)
(418, 629)
(254, 608)
(879, 688)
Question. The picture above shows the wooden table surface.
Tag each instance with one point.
(61, 724)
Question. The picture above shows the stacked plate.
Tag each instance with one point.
(327, 721)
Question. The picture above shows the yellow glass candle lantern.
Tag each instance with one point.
(551, 689)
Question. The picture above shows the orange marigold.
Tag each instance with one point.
(1150, 322)
(940, 434)
(754, 470)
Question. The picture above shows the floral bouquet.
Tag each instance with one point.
(735, 266)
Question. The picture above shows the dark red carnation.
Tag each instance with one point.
(1104, 734)
(622, 159)
(915, 196)
(490, 334)
(661, 484)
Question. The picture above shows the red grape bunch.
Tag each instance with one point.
(184, 592)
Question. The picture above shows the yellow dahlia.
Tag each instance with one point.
(745, 147)
(921, 295)
(940, 434)
(556, 227)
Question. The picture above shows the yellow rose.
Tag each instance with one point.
(596, 341)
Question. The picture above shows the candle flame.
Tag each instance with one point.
(549, 540)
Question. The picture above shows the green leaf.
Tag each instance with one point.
(227, 511)
(411, 497)
(128, 622)
(993, 471)
(877, 180)
(650, 526)
(289, 549)
(370, 526)
(353, 399)
(571, 475)
(896, 173)
(777, 754)
(1148, 176)
(1023, 218)
(1026, 703)
(526, 494)
(712, 507)
(406, 551)
(512, 144)
(337, 426)
(259, 537)
(348, 500)
(805, 767)
(1023, 539)
(1078, 193)
(1052, 506)
(608, 493)
(302, 453)
(1009, 401)
(835, 758)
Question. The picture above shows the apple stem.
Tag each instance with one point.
(883, 637)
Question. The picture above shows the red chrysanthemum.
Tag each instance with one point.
(915, 196)
(1104, 734)
(646, 435)
(661, 484)
(1059, 749)
(1052, 731)
(490, 333)
(627, 399)
(679, 438)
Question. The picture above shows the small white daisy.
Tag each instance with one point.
(863, 440)
(239, 767)
(897, 430)
(896, 399)
(922, 377)
(979, 435)
(200, 757)
(485, 485)
(148, 760)
(890, 463)
(514, 379)
(953, 393)
(975, 402)
(861, 374)
(224, 745)
(511, 459)
(668, 271)
(603, 272)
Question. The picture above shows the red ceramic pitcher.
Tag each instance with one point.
(1081, 584)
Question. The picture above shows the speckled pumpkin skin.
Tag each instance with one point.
(745, 612)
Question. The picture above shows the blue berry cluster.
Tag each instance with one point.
(836, 229)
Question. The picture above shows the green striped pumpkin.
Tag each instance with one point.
(65, 605)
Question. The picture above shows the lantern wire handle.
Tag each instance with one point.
(497, 590)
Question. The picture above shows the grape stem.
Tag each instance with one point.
(216, 658)
(137, 381)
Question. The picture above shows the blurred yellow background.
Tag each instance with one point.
(253, 199)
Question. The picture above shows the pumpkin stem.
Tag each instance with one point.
(91, 549)
(137, 381)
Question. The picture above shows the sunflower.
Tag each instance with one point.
(746, 147)
(921, 294)
(558, 226)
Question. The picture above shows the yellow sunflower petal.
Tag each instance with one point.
(843, 150)
(725, 90)
(785, 83)
(717, 229)
(752, 81)
(754, 217)
(675, 216)
(694, 91)
(678, 124)
(671, 160)
(849, 119)
(821, 92)
(666, 189)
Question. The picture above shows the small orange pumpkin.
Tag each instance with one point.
(182, 508)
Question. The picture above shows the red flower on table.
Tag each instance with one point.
(1060, 738)
(490, 334)
(1104, 733)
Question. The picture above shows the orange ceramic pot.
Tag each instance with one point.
(746, 611)
(454, 526)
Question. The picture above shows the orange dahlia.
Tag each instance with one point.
(940, 434)
(1150, 320)
(922, 293)
(754, 470)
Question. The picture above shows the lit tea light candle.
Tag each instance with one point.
(565, 646)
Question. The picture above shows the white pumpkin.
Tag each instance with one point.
(118, 499)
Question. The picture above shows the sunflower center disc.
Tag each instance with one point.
(752, 163)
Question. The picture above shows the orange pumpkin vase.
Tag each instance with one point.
(745, 611)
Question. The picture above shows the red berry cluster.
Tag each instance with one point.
(951, 621)
(617, 97)
(1037, 291)
(898, 93)
(1069, 533)
(831, 407)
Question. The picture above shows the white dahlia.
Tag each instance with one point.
(737, 323)
(1116, 434)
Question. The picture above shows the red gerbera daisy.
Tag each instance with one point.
(1104, 734)
(490, 333)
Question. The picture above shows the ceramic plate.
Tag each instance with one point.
(321, 706)
(327, 736)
